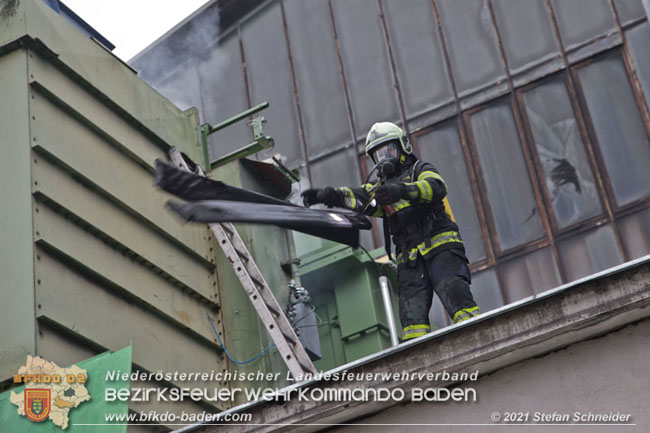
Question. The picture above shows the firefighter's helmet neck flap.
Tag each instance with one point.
(388, 148)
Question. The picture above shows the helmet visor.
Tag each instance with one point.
(388, 150)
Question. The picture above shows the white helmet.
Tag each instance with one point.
(384, 132)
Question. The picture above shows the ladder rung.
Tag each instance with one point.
(289, 338)
(273, 310)
(306, 368)
(227, 229)
(242, 255)
(258, 283)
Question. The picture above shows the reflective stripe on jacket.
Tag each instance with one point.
(422, 223)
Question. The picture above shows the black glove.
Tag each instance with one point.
(328, 196)
(390, 193)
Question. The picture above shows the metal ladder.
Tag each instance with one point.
(258, 291)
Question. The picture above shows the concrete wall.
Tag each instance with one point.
(580, 347)
(601, 375)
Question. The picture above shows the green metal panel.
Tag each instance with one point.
(59, 348)
(16, 249)
(306, 244)
(80, 248)
(120, 228)
(357, 302)
(101, 262)
(48, 79)
(97, 69)
(344, 285)
(87, 310)
(329, 332)
(246, 336)
(107, 169)
(62, 350)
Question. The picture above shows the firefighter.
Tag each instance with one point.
(411, 197)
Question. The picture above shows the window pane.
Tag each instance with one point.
(269, 79)
(223, 95)
(485, 288)
(506, 178)
(568, 176)
(367, 69)
(471, 40)
(582, 20)
(533, 273)
(526, 31)
(637, 40)
(629, 10)
(418, 55)
(442, 149)
(586, 254)
(319, 80)
(635, 231)
(620, 132)
(336, 170)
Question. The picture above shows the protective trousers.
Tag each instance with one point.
(446, 273)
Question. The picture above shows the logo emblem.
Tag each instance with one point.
(37, 403)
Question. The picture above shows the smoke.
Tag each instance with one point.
(171, 64)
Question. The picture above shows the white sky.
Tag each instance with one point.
(131, 25)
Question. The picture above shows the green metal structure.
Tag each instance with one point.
(90, 259)
(343, 283)
(261, 142)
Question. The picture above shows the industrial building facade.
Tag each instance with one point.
(535, 112)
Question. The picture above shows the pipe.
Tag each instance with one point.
(385, 294)
(237, 118)
(293, 259)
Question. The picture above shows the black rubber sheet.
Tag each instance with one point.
(211, 201)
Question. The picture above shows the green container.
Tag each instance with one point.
(344, 286)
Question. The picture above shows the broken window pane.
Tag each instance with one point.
(485, 288)
(509, 191)
(635, 231)
(583, 20)
(588, 253)
(472, 44)
(269, 79)
(621, 136)
(569, 179)
(526, 31)
(637, 41)
(418, 56)
(318, 78)
(367, 68)
(442, 149)
(531, 274)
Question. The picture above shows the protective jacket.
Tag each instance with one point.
(421, 222)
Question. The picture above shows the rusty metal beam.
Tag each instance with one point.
(472, 168)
